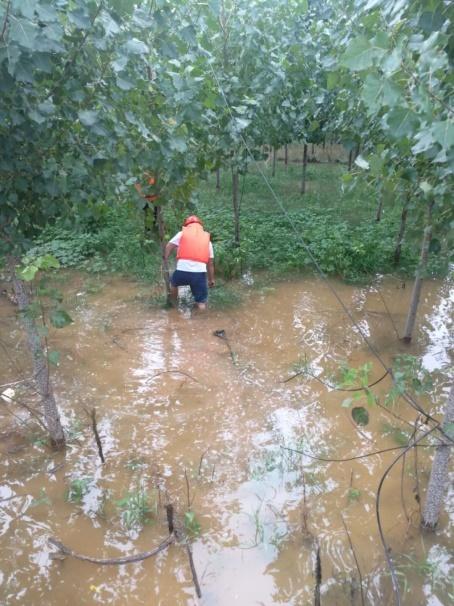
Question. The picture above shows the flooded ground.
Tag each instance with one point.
(179, 413)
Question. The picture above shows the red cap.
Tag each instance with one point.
(192, 219)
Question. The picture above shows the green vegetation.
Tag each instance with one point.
(78, 488)
(191, 524)
(136, 508)
(337, 224)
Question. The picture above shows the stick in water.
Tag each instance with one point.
(94, 426)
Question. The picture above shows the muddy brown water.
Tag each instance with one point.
(171, 402)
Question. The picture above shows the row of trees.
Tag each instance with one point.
(96, 93)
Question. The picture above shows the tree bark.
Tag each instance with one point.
(218, 179)
(416, 293)
(303, 177)
(236, 204)
(439, 474)
(40, 362)
(380, 202)
(286, 156)
(162, 243)
(273, 173)
(400, 236)
(350, 160)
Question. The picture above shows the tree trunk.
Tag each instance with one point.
(273, 174)
(380, 201)
(400, 237)
(439, 474)
(162, 243)
(218, 179)
(416, 293)
(350, 160)
(286, 156)
(40, 362)
(303, 177)
(313, 150)
(236, 204)
(357, 149)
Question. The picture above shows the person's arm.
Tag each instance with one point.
(210, 269)
(169, 249)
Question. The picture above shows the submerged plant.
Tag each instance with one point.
(399, 436)
(136, 508)
(78, 488)
(191, 523)
(408, 376)
(42, 499)
(353, 494)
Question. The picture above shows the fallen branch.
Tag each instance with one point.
(94, 426)
(318, 575)
(193, 571)
(221, 334)
(63, 550)
(355, 558)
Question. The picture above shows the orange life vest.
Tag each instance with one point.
(150, 179)
(194, 244)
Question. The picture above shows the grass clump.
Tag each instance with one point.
(137, 509)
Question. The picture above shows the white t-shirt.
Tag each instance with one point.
(186, 264)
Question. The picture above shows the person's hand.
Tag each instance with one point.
(211, 283)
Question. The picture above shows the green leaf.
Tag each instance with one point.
(425, 141)
(47, 262)
(60, 318)
(360, 415)
(178, 144)
(362, 162)
(136, 47)
(24, 33)
(332, 80)
(28, 273)
(79, 18)
(392, 62)
(402, 122)
(360, 53)
(47, 108)
(26, 7)
(88, 117)
(443, 133)
(372, 92)
(125, 84)
(425, 186)
(54, 357)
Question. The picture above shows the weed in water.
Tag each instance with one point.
(78, 488)
(42, 499)
(353, 495)
(136, 509)
(191, 524)
(224, 296)
(75, 431)
(400, 437)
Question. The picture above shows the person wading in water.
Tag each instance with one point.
(195, 258)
